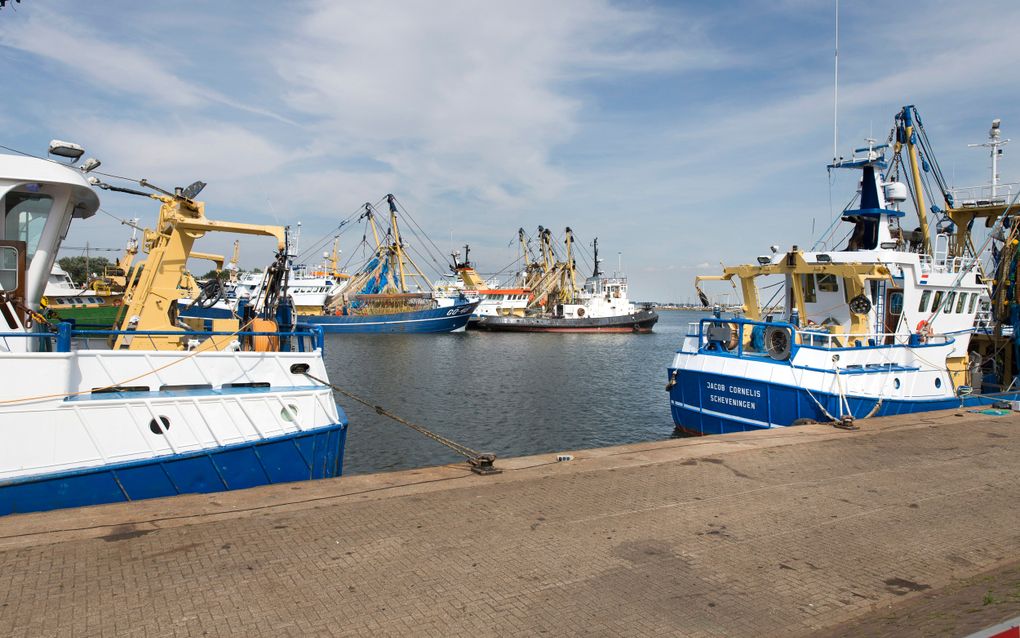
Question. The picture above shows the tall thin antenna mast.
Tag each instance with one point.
(835, 94)
(995, 143)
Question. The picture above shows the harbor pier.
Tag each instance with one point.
(807, 530)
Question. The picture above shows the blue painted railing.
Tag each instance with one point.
(65, 334)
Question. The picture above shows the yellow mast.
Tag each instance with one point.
(547, 253)
(523, 239)
(397, 246)
(922, 212)
(334, 259)
(570, 276)
(234, 260)
(371, 222)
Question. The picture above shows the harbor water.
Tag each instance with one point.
(511, 394)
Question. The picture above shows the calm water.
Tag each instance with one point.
(512, 394)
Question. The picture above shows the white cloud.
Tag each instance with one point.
(115, 67)
(462, 96)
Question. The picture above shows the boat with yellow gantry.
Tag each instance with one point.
(160, 405)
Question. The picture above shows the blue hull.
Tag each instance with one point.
(703, 403)
(297, 457)
(422, 321)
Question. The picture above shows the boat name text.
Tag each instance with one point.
(733, 389)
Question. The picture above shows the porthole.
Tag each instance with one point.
(161, 426)
(289, 413)
(938, 382)
(896, 383)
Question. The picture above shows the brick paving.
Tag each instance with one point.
(779, 533)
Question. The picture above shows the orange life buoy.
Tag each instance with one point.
(923, 329)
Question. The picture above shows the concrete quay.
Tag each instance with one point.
(799, 531)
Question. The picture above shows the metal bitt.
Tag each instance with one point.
(846, 422)
(483, 464)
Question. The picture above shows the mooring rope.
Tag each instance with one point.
(481, 462)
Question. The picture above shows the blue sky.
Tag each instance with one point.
(681, 134)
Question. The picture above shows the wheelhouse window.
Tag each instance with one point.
(925, 298)
(828, 283)
(8, 268)
(896, 303)
(961, 302)
(950, 300)
(973, 302)
(937, 301)
(26, 217)
(808, 283)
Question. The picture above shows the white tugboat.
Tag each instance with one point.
(159, 406)
(557, 304)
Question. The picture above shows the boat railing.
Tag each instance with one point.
(68, 337)
(975, 196)
(746, 337)
(944, 263)
(837, 340)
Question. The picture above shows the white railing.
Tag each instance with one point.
(942, 263)
(828, 340)
(971, 196)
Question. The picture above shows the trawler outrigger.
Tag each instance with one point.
(881, 326)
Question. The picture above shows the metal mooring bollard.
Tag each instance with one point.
(482, 464)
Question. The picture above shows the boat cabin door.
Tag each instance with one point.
(12, 285)
(893, 312)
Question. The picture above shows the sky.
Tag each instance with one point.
(681, 134)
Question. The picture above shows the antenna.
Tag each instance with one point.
(995, 144)
(835, 94)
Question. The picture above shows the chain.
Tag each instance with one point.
(481, 462)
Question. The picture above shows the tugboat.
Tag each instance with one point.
(881, 326)
(556, 304)
(378, 298)
(161, 405)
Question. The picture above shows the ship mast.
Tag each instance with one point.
(569, 275)
(995, 144)
(398, 250)
(523, 239)
(908, 135)
(371, 223)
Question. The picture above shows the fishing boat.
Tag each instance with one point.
(556, 304)
(493, 299)
(158, 406)
(880, 326)
(378, 297)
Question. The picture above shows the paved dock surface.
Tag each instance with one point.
(807, 530)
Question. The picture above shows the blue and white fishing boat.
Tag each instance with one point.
(158, 406)
(881, 326)
(378, 297)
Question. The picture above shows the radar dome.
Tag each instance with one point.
(896, 192)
